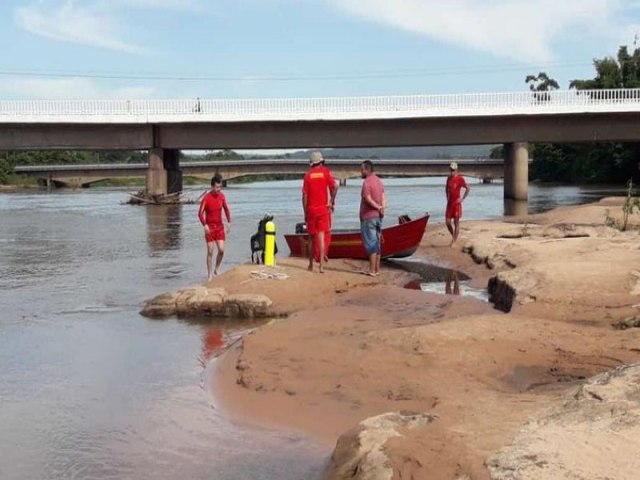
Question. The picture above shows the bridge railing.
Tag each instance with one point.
(472, 104)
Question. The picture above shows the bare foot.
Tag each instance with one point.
(321, 270)
(310, 267)
(210, 278)
(215, 272)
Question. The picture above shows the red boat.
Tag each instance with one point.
(398, 241)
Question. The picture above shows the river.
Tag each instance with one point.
(89, 389)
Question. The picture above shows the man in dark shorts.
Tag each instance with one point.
(210, 214)
(372, 205)
(318, 200)
(455, 182)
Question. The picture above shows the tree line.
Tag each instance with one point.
(602, 162)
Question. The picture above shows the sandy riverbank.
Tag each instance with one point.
(355, 347)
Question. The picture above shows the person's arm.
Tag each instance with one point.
(333, 193)
(227, 214)
(202, 215)
(372, 203)
(446, 189)
(304, 197)
(333, 190)
(384, 204)
(467, 189)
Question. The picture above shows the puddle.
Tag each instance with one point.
(440, 280)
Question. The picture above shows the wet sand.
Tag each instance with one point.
(353, 346)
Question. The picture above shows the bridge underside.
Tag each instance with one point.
(575, 127)
(164, 140)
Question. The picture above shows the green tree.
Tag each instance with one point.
(541, 82)
(605, 162)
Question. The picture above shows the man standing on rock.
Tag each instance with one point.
(455, 182)
(372, 206)
(210, 215)
(318, 201)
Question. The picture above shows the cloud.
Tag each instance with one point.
(67, 88)
(515, 29)
(71, 23)
(94, 23)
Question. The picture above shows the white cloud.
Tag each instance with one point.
(71, 23)
(515, 29)
(94, 23)
(68, 88)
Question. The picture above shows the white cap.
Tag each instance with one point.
(315, 158)
(453, 166)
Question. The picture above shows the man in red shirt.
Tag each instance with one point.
(318, 200)
(210, 215)
(455, 182)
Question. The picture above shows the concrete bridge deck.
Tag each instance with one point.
(166, 126)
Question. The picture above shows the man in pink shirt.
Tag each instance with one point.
(372, 205)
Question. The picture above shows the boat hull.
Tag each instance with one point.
(400, 240)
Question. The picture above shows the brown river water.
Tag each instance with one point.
(89, 389)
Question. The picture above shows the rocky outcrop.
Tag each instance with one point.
(512, 287)
(594, 435)
(360, 452)
(203, 301)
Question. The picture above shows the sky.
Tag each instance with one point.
(140, 49)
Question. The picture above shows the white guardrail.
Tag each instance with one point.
(330, 108)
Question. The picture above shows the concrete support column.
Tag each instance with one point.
(516, 171)
(156, 174)
(174, 174)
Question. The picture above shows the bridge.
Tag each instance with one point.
(78, 176)
(163, 127)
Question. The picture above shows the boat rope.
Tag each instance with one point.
(268, 275)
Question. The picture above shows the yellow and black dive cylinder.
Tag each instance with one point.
(270, 244)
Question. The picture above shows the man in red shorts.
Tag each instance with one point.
(318, 200)
(455, 182)
(210, 215)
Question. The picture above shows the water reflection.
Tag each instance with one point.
(213, 344)
(516, 207)
(163, 227)
(452, 285)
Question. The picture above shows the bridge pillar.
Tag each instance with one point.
(163, 175)
(156, 174)
(174, 174)
(516, 171)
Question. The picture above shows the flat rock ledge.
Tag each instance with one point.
(201, 301)
(595, 435)
(360, 453)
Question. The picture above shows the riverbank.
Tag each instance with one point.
(354, 348)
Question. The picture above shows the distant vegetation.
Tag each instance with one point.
(603, 162)
(10, 159)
